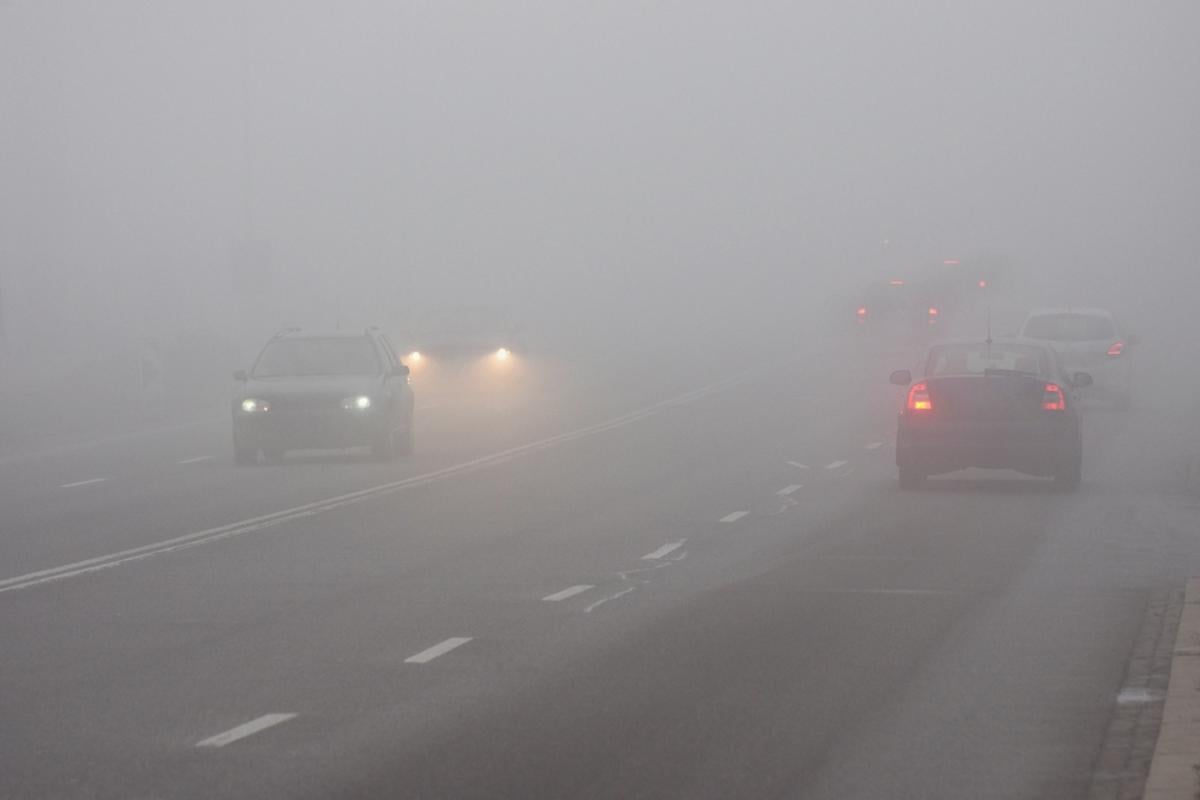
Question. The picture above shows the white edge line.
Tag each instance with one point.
(601, 602)
(664, 550)
(785, 491)
(566, 593)
(440, 649)
(835, 464)
(88, 482)
(735, 516)
(309, 509)
(798, 465)
(242, 731)
(195, 460)
(874, 445)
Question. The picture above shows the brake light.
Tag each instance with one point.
(862, 311)
(982, 284)
(933, 312)
(918, 398)
(1117, 350)
(1053, 398)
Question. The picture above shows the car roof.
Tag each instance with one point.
(975, 342)
(296, 333)
(1089, 312)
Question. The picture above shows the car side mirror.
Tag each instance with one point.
(240, 376)
(900, 377)
(401, 371)
(1081, 379)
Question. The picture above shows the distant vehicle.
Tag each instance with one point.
(997, 405)
(899, 306)
(461, 334)
(1088, 339)
(322, 391)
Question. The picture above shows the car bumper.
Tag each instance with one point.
(1035, 450)
(323, 430)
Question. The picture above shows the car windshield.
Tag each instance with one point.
(317, 356)
(1069, 327)
(976, 359)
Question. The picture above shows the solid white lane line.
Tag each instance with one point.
(88, 482)
(565, 593)
(735, 516)
(785, 491)
(245, 526)
(666, 549)
(425, 656)
(195, 460)
(874, 445)
(608, 599)
(242, 731)
(836, 465)
(798, 465)
(919, 592)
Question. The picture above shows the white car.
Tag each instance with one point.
(1088, 340)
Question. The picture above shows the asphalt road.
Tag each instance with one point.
(652, 583)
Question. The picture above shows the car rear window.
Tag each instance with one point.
(1069, 327)
(317, 356)
(975, 359)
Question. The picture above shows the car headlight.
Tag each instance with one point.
(357, 403)
(503, 354)
(252, 405)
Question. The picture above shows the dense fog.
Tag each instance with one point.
(181, 179)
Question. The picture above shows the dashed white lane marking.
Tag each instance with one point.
(425, 656)
(245, 526)
(565, 593)
(195, 460)
(610, 598)
(785, 491)
(242, 731)
(918, 592)
(735, 516)
(874, 445)
(666, 549)
(798, 465)
(1138, 695)
(836, 465)
(88, 482)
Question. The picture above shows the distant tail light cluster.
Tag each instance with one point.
(1053, 398)
(918, 398)
(933, 314)
(861, 313)
(1116, 350)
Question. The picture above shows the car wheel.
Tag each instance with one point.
(1070, 476)
(384, 448)
(911, 478)
(405, 442)
(245, 456)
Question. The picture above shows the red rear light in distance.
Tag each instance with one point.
(862, 311)
(1116, 350)
(918, 398)
(1053, 398)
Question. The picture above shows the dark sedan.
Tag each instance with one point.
(997, 405)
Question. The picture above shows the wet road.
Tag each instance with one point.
(658, 585)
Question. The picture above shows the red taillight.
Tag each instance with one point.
(862, 311)
(1053, 398)
(918, 398)
(982, 284)
(933, 312)
(1117, 349)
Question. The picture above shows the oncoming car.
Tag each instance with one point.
(323, 391)
(996, 405)
(1088, 339)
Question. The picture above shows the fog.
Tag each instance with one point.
(657, 175)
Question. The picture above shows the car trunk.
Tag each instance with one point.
(987, 398)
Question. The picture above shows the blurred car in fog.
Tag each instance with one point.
(458, 336)
(899, 306)
(323, 391)
(995, 405)
(1088, 339)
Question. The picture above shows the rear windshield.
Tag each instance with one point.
(974, 359)
(317, 356)
(1069, 327)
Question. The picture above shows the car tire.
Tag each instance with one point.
(911, 478)
(1070, 476)
(245, 456)
(405, 442)
(384, 447)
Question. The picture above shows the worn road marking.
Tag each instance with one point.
(874, 445)
(195, 460)
(798, 465)
(425, 656)
(666, 549)
(565, 593)
(242, 731)
(121, 557)
(929, 592)
(836, 465)
(785, 491)
(735, 516)
(602, 601)
(88, 482)
(1138, 695)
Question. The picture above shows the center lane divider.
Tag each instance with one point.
(111, 560)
